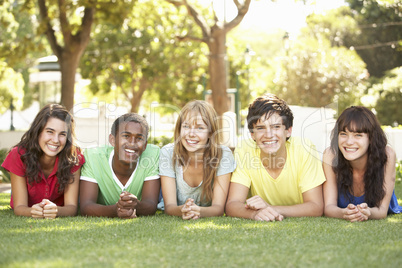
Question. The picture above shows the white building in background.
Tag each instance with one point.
(93, 123)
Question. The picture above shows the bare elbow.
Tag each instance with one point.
(318, 210)
(228, 209)
(382, 215)
(17, 212)
(169, 210)
(220, 211)
(84, 210)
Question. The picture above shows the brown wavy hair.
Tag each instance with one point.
(213, 150)
(29, 143)
(361, 120)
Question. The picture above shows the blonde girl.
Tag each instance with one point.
(195, 170)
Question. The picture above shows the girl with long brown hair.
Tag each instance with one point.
(195, 170)
(359, 168)
(45, 166)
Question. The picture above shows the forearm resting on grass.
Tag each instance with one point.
(146, 207)
(236, 208)
(45, 208)
(312, 206)
(149, 201)
(88, 198)
(254, 208)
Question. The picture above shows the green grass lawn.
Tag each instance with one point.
(165, 241)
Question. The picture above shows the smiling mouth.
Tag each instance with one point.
(191, 142)
(269, 142)
(130, 151)
(53, 147)
(350, 150)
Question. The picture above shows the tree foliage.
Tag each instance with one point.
(11, 88)
(142, 56)
(372, 29)
(315, 74)
(67, 26)
(379, 40)
(213, 34)
(386, 97)
(20, 46)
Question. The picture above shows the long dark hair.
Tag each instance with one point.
(362, 120)
(213, 150)
(68, 157)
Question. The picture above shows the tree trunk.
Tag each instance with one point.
(217, 71)
(137, 95)
(68, 67)
(74, 44)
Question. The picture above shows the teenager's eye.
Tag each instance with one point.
(359, 135)
(342, 134)
(126, 136)
(185, 126)
(276, 126)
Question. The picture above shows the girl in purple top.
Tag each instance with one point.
(359, 168)
(45, 167)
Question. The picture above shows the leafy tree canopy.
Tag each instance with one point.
(143, 56)
(11, 88)
(379, 41)
(386, 97)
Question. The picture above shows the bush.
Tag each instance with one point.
(4, 175)
(160, 141)
(398, 176)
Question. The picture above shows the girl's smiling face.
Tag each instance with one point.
(353, 145)
(194, 133)
(53, 137)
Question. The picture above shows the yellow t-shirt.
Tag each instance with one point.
(302, 172)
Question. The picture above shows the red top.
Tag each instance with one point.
(46, 188)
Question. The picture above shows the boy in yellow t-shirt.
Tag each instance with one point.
(276, 176)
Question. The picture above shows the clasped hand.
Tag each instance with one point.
(264, 212)
(354, 213)
(127, 205)
(45, 209)
(190, 211)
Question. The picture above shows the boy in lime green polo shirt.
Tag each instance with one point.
(121, 180)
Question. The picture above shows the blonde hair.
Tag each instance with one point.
(213, 151)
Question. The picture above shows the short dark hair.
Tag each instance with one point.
(267, 105)
(130, 117)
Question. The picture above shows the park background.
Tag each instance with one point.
(103, 58)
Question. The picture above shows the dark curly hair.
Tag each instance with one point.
(266, 105)
(361, 120)
(130, 117)
(29, 143)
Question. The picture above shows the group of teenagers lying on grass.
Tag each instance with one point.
(268, 177)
